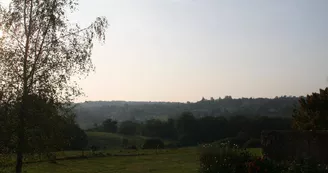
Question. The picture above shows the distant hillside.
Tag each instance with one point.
(91, 113)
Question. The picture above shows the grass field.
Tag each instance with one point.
(118, 160)
(184, 160)
(169, 161)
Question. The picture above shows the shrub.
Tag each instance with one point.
(51, 157)
(264, 165)
(223, 158)
(307, 165)
(293, 145)
(125, 142)
(153, 144)
(94, 148)
(227, 158)
(252, 143)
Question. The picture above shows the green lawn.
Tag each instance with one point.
(184, 160)
(168, 161)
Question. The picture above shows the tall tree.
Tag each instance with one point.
(110, 126)
(312, 112)
(40, 51)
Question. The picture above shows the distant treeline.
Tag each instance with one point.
(94, 113)
(189, 130)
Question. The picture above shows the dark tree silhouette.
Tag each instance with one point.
(312, 112)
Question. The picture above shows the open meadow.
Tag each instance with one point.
(178, 160)
(183, 160)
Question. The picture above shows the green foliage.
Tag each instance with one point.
(312, 113)
(223, 158)
(129, 128)
(159, 128)
(306, 165)
(40, 51)
(190, 131)
(96, 112)
(153, 144)
(264, 165)
(110, 126)
(77, 138)
(6, 163)
(125, 142)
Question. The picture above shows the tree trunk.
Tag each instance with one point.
(22, 115)
(19, 162)
(21, 134)
(20, 146)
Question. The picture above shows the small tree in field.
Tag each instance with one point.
(312, 113)
(39, 53)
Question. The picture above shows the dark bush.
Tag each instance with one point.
(216, 158)
(94, 148)
(153, 144)
(252, 143)
(51, 157)
(265, 165)
(294, 145)
(221, 157)
(308, 165)
(125, 142)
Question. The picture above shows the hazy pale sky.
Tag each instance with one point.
(182, 50)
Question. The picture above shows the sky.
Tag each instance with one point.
(183, 50)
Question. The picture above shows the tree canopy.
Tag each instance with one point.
(312, 112)
(40, 52)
